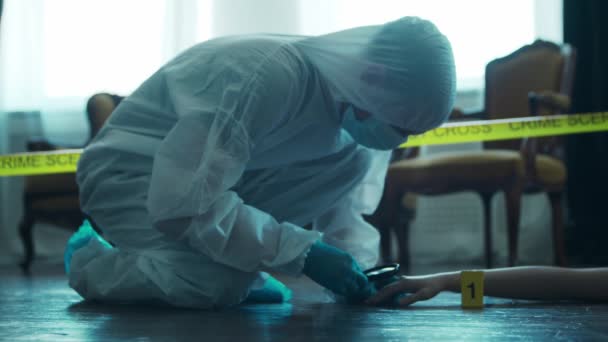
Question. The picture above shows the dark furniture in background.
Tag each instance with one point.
(586, 27)
(54, 198)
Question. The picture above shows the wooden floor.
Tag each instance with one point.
(43, 308)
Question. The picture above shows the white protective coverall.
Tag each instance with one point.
(206, 174)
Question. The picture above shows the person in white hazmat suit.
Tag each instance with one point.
(204, 177)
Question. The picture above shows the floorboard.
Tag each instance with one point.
(42, 308)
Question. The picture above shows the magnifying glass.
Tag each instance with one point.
(383, 272)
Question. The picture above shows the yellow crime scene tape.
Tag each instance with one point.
(65, 161)
(487, 130)
(39, 163)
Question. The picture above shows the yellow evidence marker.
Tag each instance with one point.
(471, 288)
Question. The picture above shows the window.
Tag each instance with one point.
(100, 45)
(479, 30)
(59, 52)
(58, 49)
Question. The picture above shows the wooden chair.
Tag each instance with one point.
(54, 198)
(536, 79)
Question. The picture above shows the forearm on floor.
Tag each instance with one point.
(539, 282)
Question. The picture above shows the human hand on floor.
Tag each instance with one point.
(408, 290)
(337, 271)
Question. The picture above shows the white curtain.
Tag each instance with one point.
(54, 50)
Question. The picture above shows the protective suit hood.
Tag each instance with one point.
(401, 72)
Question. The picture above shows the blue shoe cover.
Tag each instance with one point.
(272, 291)
(78, 240)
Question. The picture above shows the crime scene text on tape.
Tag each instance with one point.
(39, 163)
(65, 161)
(488, 130)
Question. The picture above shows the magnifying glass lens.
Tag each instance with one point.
(382, 272)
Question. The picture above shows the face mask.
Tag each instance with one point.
(371, 132)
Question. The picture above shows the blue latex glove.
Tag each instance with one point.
(337, 271)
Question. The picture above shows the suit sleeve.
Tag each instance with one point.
(204, 156)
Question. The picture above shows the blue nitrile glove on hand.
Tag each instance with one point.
(337, 271)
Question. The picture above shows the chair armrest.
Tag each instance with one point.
(47, 186)
(460, 115)
(39, 144)
(549, 101)
(405, 153)
(555, 102)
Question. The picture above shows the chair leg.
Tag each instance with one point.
(26, 233)
(555, 198)
(384, 231)
(386, 249)
(513, 204)
(385, 218)
(402, 231)
(486, 199)
(379, 219)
